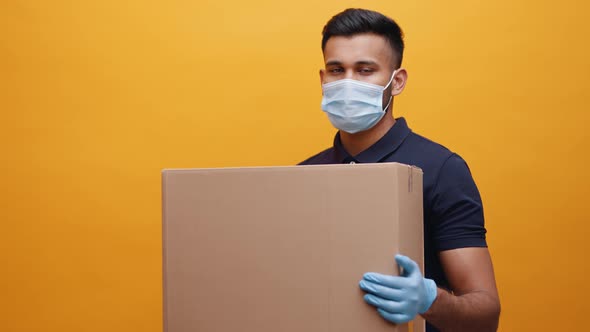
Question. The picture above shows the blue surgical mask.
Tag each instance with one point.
(354, 106)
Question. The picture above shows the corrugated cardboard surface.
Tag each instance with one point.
(283, 248)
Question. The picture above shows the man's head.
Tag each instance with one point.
(366, 46)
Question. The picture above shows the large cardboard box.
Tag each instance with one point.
(280, 249)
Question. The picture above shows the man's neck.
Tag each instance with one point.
(359, 142)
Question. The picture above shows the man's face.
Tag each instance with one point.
(363, 57)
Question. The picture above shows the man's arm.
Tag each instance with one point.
(474, 304)
(458, 235)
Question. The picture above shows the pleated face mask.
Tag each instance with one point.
(354, 106)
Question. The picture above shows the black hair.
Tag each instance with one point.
(355, 21)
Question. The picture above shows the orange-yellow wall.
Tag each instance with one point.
(96, 97)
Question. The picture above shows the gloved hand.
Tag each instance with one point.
(399, 299)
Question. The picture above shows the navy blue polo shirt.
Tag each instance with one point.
(453, 211)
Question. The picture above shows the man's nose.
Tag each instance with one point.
(349, 74)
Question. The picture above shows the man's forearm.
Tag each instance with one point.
(474, 311)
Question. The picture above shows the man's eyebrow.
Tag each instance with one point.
(366, 62)
(333, 63)
(361, 62)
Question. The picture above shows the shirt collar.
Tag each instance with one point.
(383, 148)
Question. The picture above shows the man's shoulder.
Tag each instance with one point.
(324, 157)
(426, 150)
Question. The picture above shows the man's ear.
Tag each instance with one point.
(399, 82)
(322, 73)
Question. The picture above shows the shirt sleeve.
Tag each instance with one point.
(457, 208)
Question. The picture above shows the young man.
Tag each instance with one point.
(363, 53)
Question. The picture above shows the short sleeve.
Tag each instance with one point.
(458, 219)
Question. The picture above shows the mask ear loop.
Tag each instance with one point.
(385, 88)
(389, 103)
(391, 79)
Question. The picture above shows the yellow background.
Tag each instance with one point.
(96, 97)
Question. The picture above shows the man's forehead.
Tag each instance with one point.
(356, 48)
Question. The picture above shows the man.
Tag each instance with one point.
(363, 53)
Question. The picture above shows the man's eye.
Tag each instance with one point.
(336, 70)
(365, 70)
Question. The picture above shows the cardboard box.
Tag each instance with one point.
(280, 249)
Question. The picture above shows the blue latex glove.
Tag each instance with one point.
(399, 299)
